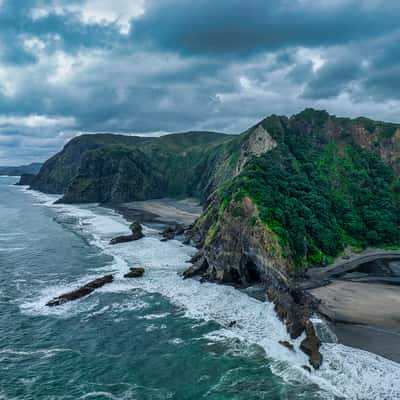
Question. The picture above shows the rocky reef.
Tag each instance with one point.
(81, 292)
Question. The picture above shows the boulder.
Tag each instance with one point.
(171, 231)
(137, 230)
(286, 344)
(135, 272)
(137, 233)
(311, 344)
(81, 292)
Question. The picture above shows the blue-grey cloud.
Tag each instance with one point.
(68, 66)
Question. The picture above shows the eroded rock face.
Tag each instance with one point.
(237, 249)
(135, 272)
(259, 142)
(81, 292)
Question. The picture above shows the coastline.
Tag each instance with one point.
(256, 321)
(355, 322)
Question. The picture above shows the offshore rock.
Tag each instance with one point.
(81, 292)
(135, 272)
(137, 233)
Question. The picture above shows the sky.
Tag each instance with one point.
(148, 67)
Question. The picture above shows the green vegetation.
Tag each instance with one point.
(316, 192)
(318, 199)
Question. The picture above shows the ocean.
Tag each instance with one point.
(157, 337)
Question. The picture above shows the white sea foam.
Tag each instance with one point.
(346, 372)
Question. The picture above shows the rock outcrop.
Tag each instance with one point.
(258, 142)
(310, 345)
(137, 233)
(81, 292)
(171, 231)
(135, 272)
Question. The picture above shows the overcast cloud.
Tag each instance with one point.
(150, 66)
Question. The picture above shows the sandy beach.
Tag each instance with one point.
(165, 211)
(363, 315)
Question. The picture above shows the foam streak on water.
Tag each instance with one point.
(346, 372)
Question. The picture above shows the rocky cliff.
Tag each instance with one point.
(114, 168)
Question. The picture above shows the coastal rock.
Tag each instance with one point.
(293, 307)
(81, 292)
(135, 272)
(286, 344)
(137, 230)
(171, 231)
(137, 233)
(311, 344)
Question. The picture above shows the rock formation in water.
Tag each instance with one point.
(81, 292)
(137, 233)
(135, 272)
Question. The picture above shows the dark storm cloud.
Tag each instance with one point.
(184, 65)
(333, 78)
(256, 25)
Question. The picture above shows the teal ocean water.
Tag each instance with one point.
(158, 337)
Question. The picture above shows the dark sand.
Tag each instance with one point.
(165, 211)
(363, 315)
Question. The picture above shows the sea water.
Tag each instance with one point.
(157, 337)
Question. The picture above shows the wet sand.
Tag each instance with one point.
(363, 315)
(165, 211)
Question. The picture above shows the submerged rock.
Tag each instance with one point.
(81, 292)
(286, 344)
(306, 367)
(137, 233)
(135, 272)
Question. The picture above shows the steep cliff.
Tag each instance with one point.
(319, 183)
(114, 168)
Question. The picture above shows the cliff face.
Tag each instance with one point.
(304, 188)
(113, 169)
(236, 247)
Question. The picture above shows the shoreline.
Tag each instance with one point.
(165, 211)
(373, 336)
